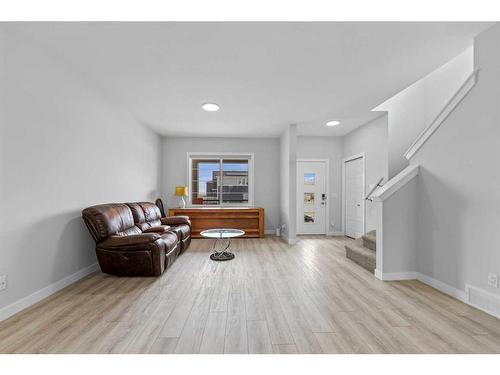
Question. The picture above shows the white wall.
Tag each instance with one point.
(413, 109)
(370, 139)
(459, 185)
(327, 148)
(266, 168)
(288, 183)
(63, 148)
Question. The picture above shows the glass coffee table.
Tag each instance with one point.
(222, 242)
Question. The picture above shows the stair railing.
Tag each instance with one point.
(377, 185)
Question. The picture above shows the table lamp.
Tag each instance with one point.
(181, 191)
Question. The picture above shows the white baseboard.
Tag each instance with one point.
(33, 298)
(290, 241)
(436, 284)
(390, 276)
(335, 234)
(473, 296)
(442, 287)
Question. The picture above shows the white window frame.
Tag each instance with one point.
(222, 155)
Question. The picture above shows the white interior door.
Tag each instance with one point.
(354, 196)
(311, 197)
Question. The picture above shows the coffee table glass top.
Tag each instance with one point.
(222, 233)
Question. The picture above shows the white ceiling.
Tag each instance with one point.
(263, 75)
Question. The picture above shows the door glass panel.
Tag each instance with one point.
(309, 178)
(308, 198)
(309, 217)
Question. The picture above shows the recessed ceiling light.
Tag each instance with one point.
(210, 107)
(332, 123)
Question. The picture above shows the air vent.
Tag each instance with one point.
(483, 300)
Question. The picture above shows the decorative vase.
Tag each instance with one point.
(182, 203)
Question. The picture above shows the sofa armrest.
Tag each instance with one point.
(132, 242)
(158, 229)
(176, 220)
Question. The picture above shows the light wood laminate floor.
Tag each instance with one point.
(273, 298)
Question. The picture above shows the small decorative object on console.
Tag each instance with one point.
(181, 191)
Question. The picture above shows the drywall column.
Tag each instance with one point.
(288, 183)
(396, 205)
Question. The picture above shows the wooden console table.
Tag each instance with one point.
(251, 220)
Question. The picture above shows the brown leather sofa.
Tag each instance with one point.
(132, 239)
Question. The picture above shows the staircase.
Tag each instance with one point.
(363, 251)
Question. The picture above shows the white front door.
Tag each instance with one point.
(354, 197)
(311, 197)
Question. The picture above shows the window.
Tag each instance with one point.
(220, 180)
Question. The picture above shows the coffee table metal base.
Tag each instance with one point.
(219, 250)
(225, 255)
(222, 241)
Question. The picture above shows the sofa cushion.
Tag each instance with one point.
(182, 231)
(176, 220)
(170, 241)
(131, 242)
(146, 215)
(105, 220)
(158, 229)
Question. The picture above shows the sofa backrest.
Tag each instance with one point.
(146, 214)
(109, 219)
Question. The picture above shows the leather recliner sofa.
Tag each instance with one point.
(132, 239)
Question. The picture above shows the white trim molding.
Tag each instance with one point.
(442, 287)
(436, 284)
(37, 296)
(396, 183)
(472, 296)
(391, 276)
(469, 83)
(289, 241)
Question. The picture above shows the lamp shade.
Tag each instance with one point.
(181, 191)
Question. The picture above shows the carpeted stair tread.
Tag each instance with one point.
(370, 240)
(361, 255)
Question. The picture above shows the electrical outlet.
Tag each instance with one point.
(493, 280)
(3, 282)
